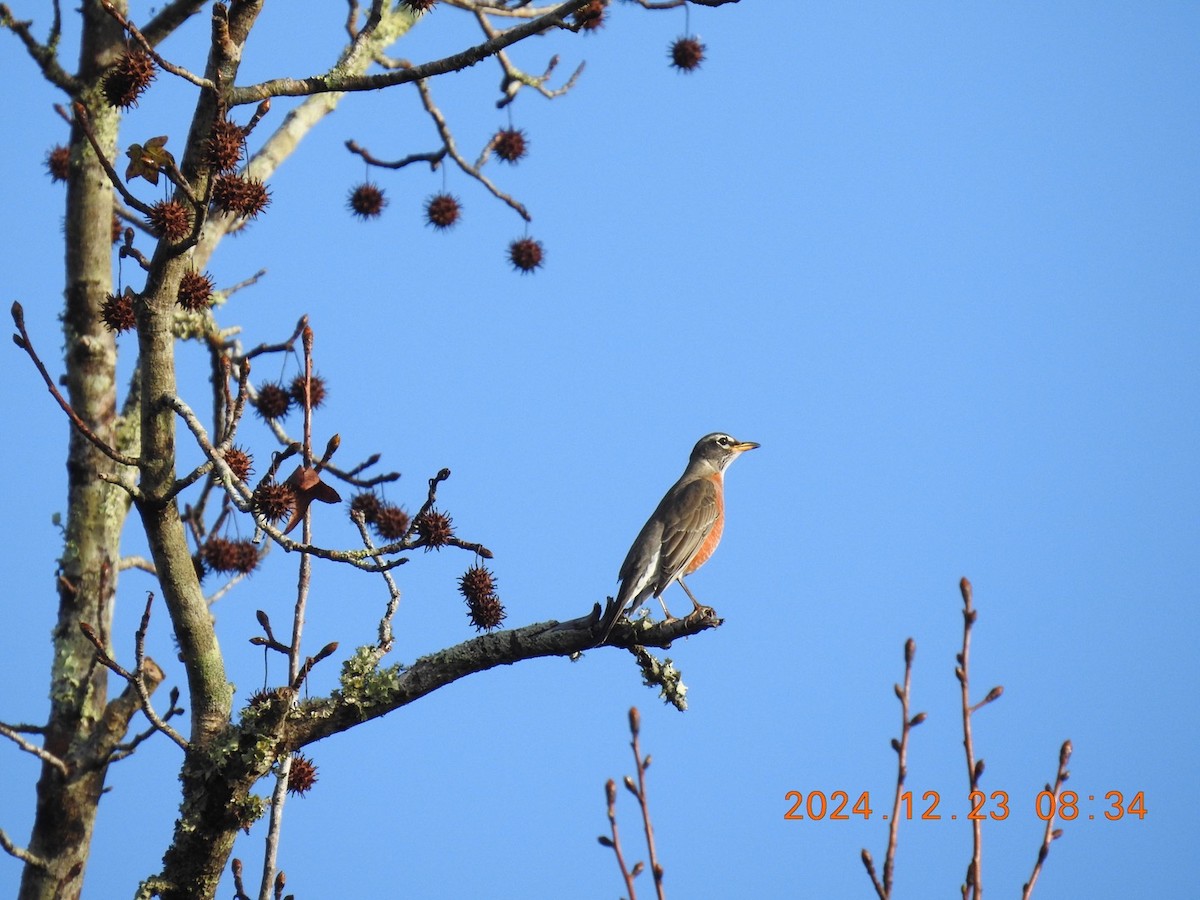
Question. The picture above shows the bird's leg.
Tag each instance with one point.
(695, 602)
(663, 603)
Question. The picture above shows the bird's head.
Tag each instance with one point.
(719, 450)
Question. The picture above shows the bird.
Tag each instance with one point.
(683, 531)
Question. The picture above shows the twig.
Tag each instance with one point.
(238, 888)
(386, 638)
(610, 794)
(673, 4)
(136, 678)
(144, 43)
(443, 129)
(514, 77)
(434, 158)
(338, 81)
(288, 346)
(973, 888)
(44, 755)
(22, 340)
(125, 750)
(22, 854)
(642, 764)
(1051, 833)
(85, 122)
(903, 694)
(43, 54)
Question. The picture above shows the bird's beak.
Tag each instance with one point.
(745, 445)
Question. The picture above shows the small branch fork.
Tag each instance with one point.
(903, 694)
(639, 791)
(144, 669)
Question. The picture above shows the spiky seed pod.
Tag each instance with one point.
(169, 219)
(316, 390)
(226, 145)
(476, 583)
(442, 211)
(391, 522)
(434, 528)
(368, 504)
(302, 775)
(420, 6)
(686, 53)
(486, 613)
(117, 311)
(195, 291)
(526, 255)
(366, 200)
(273, 401)
(240, 463)
(261, 697)
(128, 78)
(58, 163)
(225, 555)
(274, 501)
(510, 144)
(591, 17)
(245, 197)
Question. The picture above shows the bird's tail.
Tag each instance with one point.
(609, 620)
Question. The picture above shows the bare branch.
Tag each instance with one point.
(439, 122)
(656, 869)
(169, 17)
(883, 889)
(610, 794)
(21, 853)
(145, 44)
(42, 754)
(1051, 833)
(44, 55)
(394, 689)
(674, 4)
(85, 122)
(340, 82)
(434, 158)
(138, 677)
(973, 888)
(21, 339)
(385, 624)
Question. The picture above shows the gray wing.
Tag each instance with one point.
(692, 512)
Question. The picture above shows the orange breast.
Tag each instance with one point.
(709, 544)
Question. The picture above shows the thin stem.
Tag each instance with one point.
(1051, 833)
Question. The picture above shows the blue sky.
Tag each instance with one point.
(939, 259)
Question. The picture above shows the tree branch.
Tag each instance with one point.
(367, 692)
(42, 754)
(21, 339)
(336, 80)
(43, 54)
(22, 854)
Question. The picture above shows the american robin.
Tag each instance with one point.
(682, 533)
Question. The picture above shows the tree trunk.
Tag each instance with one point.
(96, 510)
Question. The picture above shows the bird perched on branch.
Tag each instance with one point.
(683, 531)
